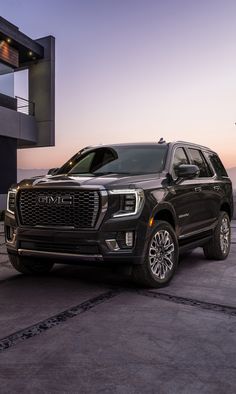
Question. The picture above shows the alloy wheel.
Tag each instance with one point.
(161, 254)
(224, 235)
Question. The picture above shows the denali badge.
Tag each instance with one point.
(55, 200)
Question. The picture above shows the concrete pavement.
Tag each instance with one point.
(89, 330)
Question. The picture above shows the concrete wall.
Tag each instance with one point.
(17, 125)
(18, 130)
(7, 167)
(42, 93)
(14, 127)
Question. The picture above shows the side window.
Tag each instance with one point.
(217, 165)
(180, 157)
(199, 160)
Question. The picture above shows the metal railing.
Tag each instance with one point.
(25, 106)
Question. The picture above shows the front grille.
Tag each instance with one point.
(49, 208)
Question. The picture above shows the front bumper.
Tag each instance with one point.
(64, 245)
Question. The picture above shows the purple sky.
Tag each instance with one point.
(136, 70)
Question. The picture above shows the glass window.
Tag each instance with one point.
(125, 159)
(21, 83)
(180, 157)
(199, 160)
(217, 165)
(6, 80)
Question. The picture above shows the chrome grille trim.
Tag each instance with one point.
(77, 257)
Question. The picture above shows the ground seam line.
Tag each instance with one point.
(53, 321)
(228, 310)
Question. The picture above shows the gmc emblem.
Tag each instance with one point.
(55, 200)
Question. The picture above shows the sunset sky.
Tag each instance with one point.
(136, 70)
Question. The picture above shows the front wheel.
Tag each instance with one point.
(27, 266)
(218, 247)
(161, 257)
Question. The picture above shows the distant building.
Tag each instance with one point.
(28, 121)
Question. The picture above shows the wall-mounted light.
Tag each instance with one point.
(30, 53)
(9, 40)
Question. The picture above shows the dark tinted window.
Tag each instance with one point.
(119, 160)
(217, 164)
(199, 160)
(180, 157)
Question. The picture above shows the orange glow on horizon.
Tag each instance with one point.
(138, 74)
(54, 157)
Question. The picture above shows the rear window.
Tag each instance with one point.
(217, 164)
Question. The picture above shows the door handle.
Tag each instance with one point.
(217, 188)
(198, 189)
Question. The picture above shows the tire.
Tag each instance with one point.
(218, 247)
(26, 266)
(161, 257)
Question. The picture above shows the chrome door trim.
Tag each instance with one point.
(197, 232)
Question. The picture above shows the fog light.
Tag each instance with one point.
(129, 239)
(10, 234)
(112, 244)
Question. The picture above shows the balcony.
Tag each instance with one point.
(25, 106)
(17, 120)
(8, 101)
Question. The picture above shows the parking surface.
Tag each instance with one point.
(90, 330)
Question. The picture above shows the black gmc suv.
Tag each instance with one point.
(138, 204)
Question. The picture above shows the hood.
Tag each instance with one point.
(99, 182)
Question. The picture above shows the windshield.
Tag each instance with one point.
(130, 160)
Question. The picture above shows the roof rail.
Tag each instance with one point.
(191, 143)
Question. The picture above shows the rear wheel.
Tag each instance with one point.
(219, 246)
(161, 258)
(27, 266)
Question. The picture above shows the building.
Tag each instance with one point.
(29, 121)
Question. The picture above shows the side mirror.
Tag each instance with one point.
(187, 171)
(52, 171)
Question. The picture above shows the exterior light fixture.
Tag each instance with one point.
(129, 239)
(9, 40)
(30, 53)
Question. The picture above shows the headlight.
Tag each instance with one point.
(131, 201)
(11, 201)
